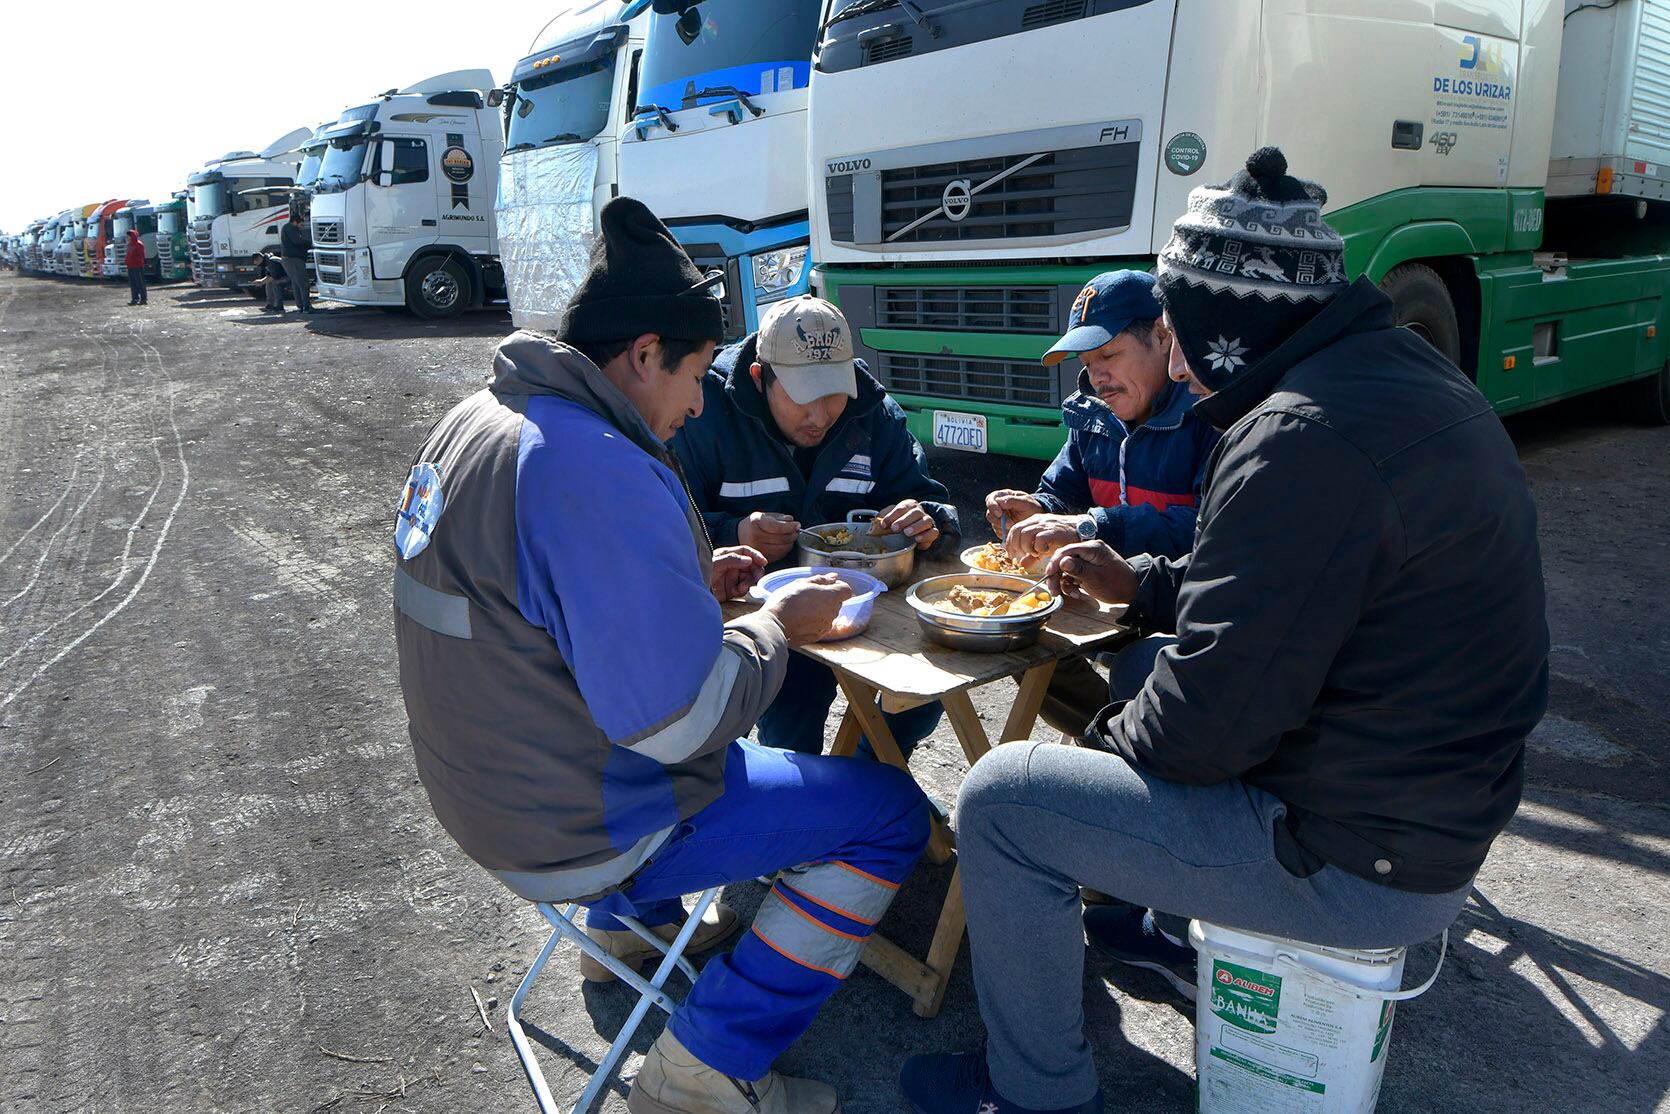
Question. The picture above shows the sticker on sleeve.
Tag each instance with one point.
(420, 510)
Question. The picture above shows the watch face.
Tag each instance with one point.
(1087, 530)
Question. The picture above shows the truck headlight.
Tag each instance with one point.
(778, 271)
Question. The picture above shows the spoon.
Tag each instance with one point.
(1003, 608)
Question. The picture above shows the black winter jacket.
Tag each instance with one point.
(1361, 622)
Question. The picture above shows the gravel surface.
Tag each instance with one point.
(221, 887)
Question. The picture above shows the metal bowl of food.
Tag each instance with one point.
(889, 558)
(947, 608)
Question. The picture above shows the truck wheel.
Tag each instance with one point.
(1648, 400)
(1421, 303)
(437, 288)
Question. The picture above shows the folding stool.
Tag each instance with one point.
(648, 990)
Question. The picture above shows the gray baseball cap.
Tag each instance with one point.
(808, 343)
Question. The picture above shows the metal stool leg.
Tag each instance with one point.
(649, 993)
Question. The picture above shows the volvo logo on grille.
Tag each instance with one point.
(958, 199)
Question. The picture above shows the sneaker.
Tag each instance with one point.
(633, 950)
(673, 1081)
(1129, 934)
(958, 1083)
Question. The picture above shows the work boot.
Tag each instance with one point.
(633, 950)
(673, 1081)
(958, 1083)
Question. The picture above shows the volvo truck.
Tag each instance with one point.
(567, 102)
(403, 206)
(241, 200)
(717, 146)
(1506, 195)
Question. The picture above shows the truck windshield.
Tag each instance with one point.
(343, 165)
(119, 227)
(746, 44)
(211, 199)
(569, 106)
(312, 159)
(169, 221)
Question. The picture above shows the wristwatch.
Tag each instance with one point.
(1087, 528)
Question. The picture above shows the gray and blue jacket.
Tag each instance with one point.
(570, 684)
(736, 463)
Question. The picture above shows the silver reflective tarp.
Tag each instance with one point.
(546, 226)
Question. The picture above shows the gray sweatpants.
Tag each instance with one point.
(297, 270)
(1035, 821)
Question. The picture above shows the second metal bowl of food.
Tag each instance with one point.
(987, 633)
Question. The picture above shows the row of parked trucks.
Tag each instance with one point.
(950, 172)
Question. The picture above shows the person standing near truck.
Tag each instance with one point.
(133, 257)
(294, 246)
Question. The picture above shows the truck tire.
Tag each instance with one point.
(437, 288)
(1648, 400)
(1421, 303)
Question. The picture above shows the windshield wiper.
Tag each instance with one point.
(567, 137)
(519, 147)
(660, 112)
(869, 7)
(731, 91)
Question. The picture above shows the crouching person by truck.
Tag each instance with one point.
(1337, 737)
(576, 702)
(794, 431)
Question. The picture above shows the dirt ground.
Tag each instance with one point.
(221, 887)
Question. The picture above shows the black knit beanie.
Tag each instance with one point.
(1249, 263)
(640, 281)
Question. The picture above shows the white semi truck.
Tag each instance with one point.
(717, 148)
(403, 206)
(569, 98)
(240, 202)
(1506, 196)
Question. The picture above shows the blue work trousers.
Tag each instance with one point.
(844, 832)
(795, 720)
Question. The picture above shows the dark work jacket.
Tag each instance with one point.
(736, 463)
(1142, 486)
(1361, 621)
(294, 241)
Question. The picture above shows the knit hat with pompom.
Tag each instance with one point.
(1250, 262)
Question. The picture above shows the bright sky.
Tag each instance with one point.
(124, 100)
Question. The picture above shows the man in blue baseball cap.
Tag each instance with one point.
(1131, 470)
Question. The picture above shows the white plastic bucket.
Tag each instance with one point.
(1283, 1027)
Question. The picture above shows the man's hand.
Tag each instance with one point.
(1092, 571)
(736, 568)
(1041, 535)
(912, 520)
(772, 534)
(807, 608)
(1006, 507)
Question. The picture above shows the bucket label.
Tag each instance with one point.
(1245, 998)
(1386, 1010)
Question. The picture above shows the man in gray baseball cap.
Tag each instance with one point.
(793, 430)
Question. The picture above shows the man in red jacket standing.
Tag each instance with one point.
(135, 260)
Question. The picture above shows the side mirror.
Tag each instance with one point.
(672, 7)
(383, 178)
(689, 26)
(495, 97)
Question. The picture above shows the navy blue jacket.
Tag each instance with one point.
(1142, 486)
(736, 464)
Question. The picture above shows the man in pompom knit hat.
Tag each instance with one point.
(1337, 734)
(577, 703)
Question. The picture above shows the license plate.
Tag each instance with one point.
(959, 431)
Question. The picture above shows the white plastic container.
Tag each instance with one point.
(1283, 1027)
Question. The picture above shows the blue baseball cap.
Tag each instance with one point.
(1107, 304)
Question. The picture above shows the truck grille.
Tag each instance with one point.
(968, 309)
(331, 267)
(202, 254)
(327, 232)
(165, 253)
(1051, 11)
(978, 380)
(1061, 193)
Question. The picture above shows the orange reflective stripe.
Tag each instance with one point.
(831, 929)
(851, 916)
(766, 940)
(867, 874)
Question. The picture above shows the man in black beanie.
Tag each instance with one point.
(1336, 736)
(577, 704)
